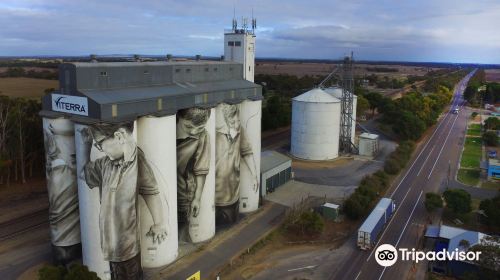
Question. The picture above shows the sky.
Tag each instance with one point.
(391, 30)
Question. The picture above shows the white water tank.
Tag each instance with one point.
(315, 125)
(337, 93)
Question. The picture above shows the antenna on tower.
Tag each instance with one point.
(254, 23)
(235, 23)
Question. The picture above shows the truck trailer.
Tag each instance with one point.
(369, 231)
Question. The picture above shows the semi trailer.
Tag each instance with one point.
(369, 231)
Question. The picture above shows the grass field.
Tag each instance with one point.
(25, 87)
(468, 176)
(495, 185)
(472, 153)
(474, 130)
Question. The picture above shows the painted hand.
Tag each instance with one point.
(158, 233)
(86, 136)
(255, 184)
(195, 208)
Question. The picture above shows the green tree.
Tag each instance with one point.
(489, 258)
(491, 208)
(362, 106)
(458, 200)
(492, 123)
(490, 138)
(433, 201)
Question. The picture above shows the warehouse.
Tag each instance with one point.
(275, 170)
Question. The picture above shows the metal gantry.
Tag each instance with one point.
(346, 106)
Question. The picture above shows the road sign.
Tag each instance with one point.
(196, 276)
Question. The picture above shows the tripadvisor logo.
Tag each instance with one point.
(387, 255)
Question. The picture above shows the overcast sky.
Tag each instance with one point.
(394, 30)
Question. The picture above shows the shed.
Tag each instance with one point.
(330, 211)
(275, 170)
(368, 144)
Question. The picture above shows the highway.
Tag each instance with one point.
(436, 159)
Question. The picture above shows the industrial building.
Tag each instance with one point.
(159, 146)
(368, 144)
(275, 170)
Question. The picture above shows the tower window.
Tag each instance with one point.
(188, 70)
(237, 43)
(104, 73)
(230, 43)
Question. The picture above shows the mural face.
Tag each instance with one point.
(62, 187)
(232, 146)
(121, 175)
(193, 165)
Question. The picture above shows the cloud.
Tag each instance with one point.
(386, 29)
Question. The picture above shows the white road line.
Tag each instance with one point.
(301, 268)
(413, 210)
(357, 276)
(411, 166)
(381, 274)
(423, 164)
(444, 144)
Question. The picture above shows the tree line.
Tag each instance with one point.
(21, 72)
(21, 141)
(478, 90)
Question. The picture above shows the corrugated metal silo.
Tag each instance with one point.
(315, 125)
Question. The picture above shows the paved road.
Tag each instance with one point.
(436, 158)
(212, 259)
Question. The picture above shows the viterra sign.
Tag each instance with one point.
(70, 104)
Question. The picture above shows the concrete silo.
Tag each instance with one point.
(315, 125)
(156, 140)
(62, 188)
(337, 93)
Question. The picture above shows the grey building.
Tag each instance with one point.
(122, 91)
(275, 170)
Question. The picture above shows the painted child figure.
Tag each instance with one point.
(193, 164)
(121, 175)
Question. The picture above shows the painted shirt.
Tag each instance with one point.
(119, 182)
(64, 217)
(193, 159)
(229, 150)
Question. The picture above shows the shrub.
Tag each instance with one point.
(391, 166)
(433, 201)
(490, 138)
(458, 200)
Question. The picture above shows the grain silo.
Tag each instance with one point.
(337, 93)
(315, 125)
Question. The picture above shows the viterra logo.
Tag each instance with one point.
(68, 106)
(386, 255)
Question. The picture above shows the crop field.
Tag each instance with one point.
(492, 75)
(25, 87)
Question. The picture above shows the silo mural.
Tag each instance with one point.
(64, 218)
(232, 148)
(156, 140)
(250, 115)
(120, 174)
(195, 174)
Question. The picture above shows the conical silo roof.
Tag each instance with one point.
(316, 95)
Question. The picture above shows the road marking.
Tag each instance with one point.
(301, 268)
(423, 149)
(411, 214)
(359, 273)
(444, 144)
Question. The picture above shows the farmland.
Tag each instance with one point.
(25, 87)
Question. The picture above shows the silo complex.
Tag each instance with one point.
(89, 199)
(315, 125)
(250, 115)
(337, 93)
(156, 140)
(64, 218)
(196, 173)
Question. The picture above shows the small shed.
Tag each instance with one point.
(275, 170)
(368, 144)
(493, 168)
(330, 211)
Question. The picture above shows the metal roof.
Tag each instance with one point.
(330, 205)
(271, 159)
(375, 215)
(368, 136)
(316, 95)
